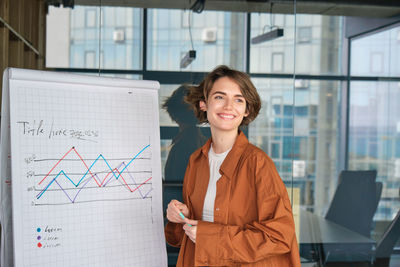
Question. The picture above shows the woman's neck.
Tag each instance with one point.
(222, 141)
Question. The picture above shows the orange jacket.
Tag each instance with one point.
(253, 222)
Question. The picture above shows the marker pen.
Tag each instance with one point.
(183, 217)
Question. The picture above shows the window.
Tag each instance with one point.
(304, 34)
(169, 38)
(186, 19)
(275, 150)
(90, 59)
(374, 136)
(91, 18)
(277, 62)
(122, 45)
(376, 62)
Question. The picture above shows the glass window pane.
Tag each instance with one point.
(268, 130)
(374, 131)
(377, 54)
(91, 17)
(288, 131)
(73, 32)
(217, 37)
(273, 56)
(318, 47)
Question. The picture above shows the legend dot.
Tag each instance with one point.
(38, 229)
(39, 245)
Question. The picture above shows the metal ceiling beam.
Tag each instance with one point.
(360, 8)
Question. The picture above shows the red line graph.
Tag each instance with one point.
(56, 165)
(63, 157)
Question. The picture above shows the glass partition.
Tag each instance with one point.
(318, 44)
(81, 42)
(326, 106)
(216, 36)
(374, 142)
(377, 54)
(374, 118)
(274, 56)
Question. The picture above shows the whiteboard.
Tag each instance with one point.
(85, 170)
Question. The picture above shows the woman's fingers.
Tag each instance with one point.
(177, 211)
(191, 222)
(173, 212)
(190, 231)
(182, 208)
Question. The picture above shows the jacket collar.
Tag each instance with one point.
(231, 161)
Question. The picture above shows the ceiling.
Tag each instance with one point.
(359, 8)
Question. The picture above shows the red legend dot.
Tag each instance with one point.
(39, 245)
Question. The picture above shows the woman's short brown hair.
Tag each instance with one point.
(201, 92)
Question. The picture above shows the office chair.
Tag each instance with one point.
(385, 246)
(355, 201)
(369, 175)
(378, 194)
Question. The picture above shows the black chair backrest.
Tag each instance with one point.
(358, 176)
(379, 186)
(355, 201)
(385, 246)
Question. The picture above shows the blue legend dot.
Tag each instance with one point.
(38, 229)
(39, 237)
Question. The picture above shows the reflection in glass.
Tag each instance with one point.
(188, 139)
(169, 96)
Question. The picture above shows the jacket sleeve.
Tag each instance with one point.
(272, 234)
(174, 232)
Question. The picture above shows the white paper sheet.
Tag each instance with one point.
(86, 172)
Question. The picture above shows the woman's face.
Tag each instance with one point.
(225, 105)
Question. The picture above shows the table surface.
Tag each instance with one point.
(319, 236)
(315, 229)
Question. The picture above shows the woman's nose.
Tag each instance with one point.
(228, 104)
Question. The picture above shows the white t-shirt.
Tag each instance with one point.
(215, 161)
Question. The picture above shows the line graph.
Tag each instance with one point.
(73, 184)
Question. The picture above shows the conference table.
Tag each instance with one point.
(319, 238)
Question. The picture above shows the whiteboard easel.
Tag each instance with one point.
(80, 163)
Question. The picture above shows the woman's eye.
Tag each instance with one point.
(218, 97)
(239, 100)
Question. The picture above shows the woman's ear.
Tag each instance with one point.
(246, 113)
(202, 105)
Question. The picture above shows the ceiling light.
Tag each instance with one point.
(267, 36)
(188, 58)
(198, 6)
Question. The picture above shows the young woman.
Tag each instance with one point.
(236, 210)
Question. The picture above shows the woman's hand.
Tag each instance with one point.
(190, 231)
(173, 210)
(190, 226)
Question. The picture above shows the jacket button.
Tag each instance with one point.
(217, 209)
